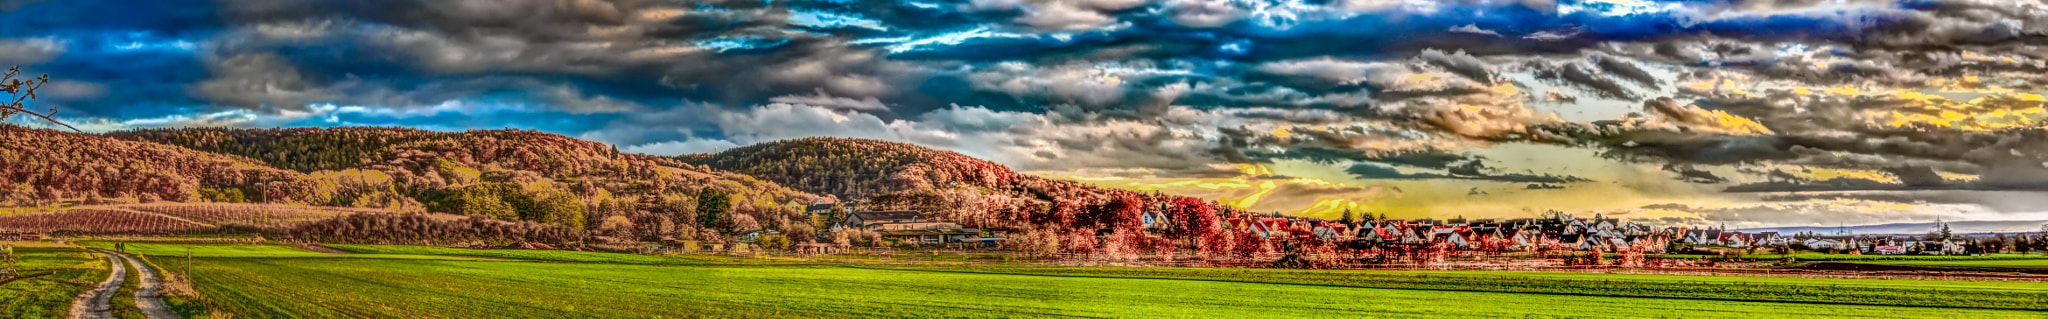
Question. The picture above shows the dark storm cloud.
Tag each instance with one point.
(1694, 175)
(1585, 77)
(1461, 64)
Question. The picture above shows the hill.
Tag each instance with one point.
(501, 174)
(858, 168)
(570, 189)
(48, 166)
(1052, 216)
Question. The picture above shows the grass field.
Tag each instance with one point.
(2008, 264)
(2005, 295)
(46, 296)
(311, 284)
(1841, 257)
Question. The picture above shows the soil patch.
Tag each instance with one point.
(323, 249)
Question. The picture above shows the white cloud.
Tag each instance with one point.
(30, 50)
(1205, 13)
(829, 101)
(688, 146)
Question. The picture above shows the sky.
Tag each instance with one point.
(1746, 113)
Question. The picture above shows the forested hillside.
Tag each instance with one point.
(46, 166)
(503, 174)
(857, 168)
(1050, 216)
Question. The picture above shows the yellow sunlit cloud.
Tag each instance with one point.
(1829, 173)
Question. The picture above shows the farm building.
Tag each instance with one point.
(819, 248)
(937, 235)
(867, 219)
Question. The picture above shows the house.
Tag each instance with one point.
(1889, 249)
(1522, 241)
(1387, 232)
(1770, 238)
(819, 209)
(1824, 244)
(1271, 227)
(1585, 243)
(1951, 247)
(1735, 240)
(866, 219)
(748, 237)
(1154, 220)
(1703, 237)
(1329, 231)
(1455, 239)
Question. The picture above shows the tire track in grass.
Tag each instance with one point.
(94, 304)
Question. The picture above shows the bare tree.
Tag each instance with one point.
(20, 91)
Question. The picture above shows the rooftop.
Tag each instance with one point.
(901, 214)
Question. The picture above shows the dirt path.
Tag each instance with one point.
(149, 295)
(93, 304)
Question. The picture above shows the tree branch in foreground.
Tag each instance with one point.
(21, 91)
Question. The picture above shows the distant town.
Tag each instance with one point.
(1554, 231)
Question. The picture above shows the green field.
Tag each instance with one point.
(2010, 264)
(46, 296)
(239, 280)
(1842, 257)
(2001, 295)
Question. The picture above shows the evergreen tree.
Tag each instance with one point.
(711, 206)
(1945, 234)
(1349, 219)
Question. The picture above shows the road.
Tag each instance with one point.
(149, 295)
(93, 304)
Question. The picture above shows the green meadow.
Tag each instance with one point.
(405, 281)
(74, 271)
(1990, 265)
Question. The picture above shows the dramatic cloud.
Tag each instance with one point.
(1682, 99)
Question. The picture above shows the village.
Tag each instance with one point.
(1554, 231)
